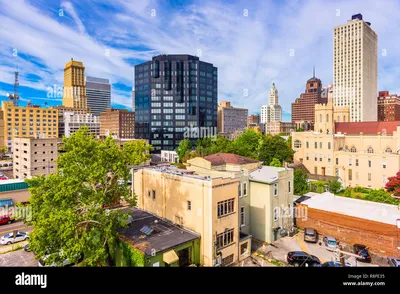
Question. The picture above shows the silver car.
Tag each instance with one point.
(330, 243)
(9, 238)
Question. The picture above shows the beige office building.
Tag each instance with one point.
(74, 93)
(34, 157)
(231, 120)
(359, 153)
(28, 121)
(355, 55)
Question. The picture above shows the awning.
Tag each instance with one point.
(170, 257)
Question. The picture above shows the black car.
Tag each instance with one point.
(302, 259)
(334, 264)
(362, 251)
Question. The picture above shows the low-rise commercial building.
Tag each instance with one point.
(253, 119)
(388, 107)
(231, 119)
(275, 128)
(34, 156)
(353, 221)
(73, 122)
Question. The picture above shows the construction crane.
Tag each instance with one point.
(15, 96)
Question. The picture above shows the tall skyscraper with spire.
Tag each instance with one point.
(273, 111)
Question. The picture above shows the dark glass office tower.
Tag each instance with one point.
(174, 94)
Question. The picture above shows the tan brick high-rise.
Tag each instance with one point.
(74, 94)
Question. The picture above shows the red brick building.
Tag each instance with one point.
(353, 221)
(253, 119)
(303, 107)
(388, 106)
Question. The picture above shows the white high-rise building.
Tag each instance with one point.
(355, 67)
(273, 111)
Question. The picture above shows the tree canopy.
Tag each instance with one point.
(70, 208)
(300, 183)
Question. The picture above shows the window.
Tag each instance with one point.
(337, 173)
(370, 150)
(276, 213)
(240, 190)
(297, 144)
(307, 156)
(369, 176)
(356, 162)
(315, 145)
(329, 145)
(388, 150)
(227, 260)
(276, 189)
(225, 238)
(383, 179)
(349, 161)
(327, 118)
(307, 145)
(189, 205)
(242, 219)
(369, 163)
(244, 189)
(356, 175)
(329, 158)
(315, 157)
(384, 164)
(350, 175)
(353, 149)
(337, 160)
(243, 249)
(154, 194)
(320, 118)
(320, 145)
(315, 170)
(320, 157)
(289, 188)
(226, 207)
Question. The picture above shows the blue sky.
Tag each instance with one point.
(249, 41)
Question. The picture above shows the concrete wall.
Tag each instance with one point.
(17, 195)
(381, 238)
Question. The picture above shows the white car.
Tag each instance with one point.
(9, 238)
(330, 243)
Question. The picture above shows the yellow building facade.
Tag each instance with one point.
(74, 93)
(28, 121)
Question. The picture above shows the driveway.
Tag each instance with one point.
(18, 258)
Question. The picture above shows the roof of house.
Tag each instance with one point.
(164, 234)
(374, 211)
(267, 174)
(367, 128)
(228, 158)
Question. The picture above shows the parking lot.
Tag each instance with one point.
(18, 258)
(280, 248)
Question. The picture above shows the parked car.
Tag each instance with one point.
(310, 235)
(335, 264)
(302, 259)
(5, 220)
(330, 243)
(9, 238)
(394, 261)
(362, 251)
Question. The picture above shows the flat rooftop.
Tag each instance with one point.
(374, 211)
(165, 234)
(177, 171)
(267, 174)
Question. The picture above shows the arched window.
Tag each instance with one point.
(370, 150)
(320, 118)
(388, 150)
(338, 118)
(353, 149)
(344, 118)
(327, 118)
(297, 144)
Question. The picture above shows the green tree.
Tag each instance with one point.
(334, 186)
(3, 151)
(300, 182)
(275, 147)
(275, 162)
(184, 147)
(248, 144)
(380, 195)
(203, 146)
(70, 211)
(222, 145)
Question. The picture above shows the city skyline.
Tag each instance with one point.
(271, 42)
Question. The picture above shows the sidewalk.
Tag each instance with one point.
(6, 248)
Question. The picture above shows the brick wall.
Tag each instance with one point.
(381, 238)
